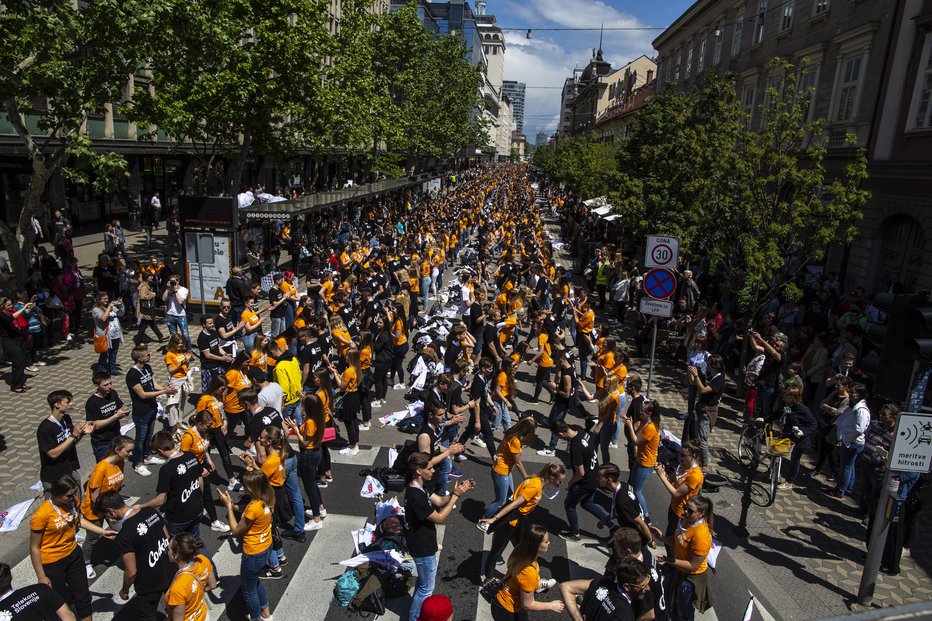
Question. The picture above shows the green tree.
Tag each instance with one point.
(58, 64)
(587, 166)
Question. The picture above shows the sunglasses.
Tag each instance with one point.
(688, 511)
(644, 588)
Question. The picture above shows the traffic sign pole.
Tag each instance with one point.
(653, 351)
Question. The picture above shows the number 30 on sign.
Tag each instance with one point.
(663, 252)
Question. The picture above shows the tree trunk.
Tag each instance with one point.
(235, 173)
(19, 242)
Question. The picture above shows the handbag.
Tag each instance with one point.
(370, 599)
(101, 344)
(147, 304)
(330, 434)
(490, 588)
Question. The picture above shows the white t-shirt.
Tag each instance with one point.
(272, 396)
(174, 308)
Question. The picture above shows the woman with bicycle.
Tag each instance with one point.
(801, 426)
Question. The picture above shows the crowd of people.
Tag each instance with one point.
(284, 375)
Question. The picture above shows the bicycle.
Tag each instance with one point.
(757, 442)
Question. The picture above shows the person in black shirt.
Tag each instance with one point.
(491, 346)
(141, 542)
(583, 462)
(104, 410)
(228, 326)
(347, 314)
(213, 360)
(383, 352)
(277, 301)
(423, 511)
(480, 416)
(259, 418)
(626, 510)
(616, 597)
(700, 422)
(36, 602)
(144, 392)
(58, 437)
(13, 342)
(430, 440)
(237, 290)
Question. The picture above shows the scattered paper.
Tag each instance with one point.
(712, 558)
(36, 487)
(392, 456)
(394, 418)
(125, 429)
(363, 537)
(388, 558)
(371, 488)
(10, 519)
(385, 510)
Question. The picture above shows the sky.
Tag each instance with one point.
(548, 58)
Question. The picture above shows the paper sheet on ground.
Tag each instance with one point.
(388, 558)
(11, 518)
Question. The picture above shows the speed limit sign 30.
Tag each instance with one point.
(662, 252)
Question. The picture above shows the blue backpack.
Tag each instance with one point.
(346, 588)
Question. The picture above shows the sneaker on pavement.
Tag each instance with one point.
(271, 574)
(349, 451)
(142, 471)
(483, 527)
(312, 525)
(569, 536)
(364, 427)
(455, 474)
(219, 527)
(612, 445)
(153, 459)
(479, 442)
(459, 457)
(399, 386)
(547, 452)
(91, 574)
(323, 513)
(784, 485)
(545, 585)
(234, 485)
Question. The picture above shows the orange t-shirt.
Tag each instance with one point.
(606, 360)
(188, 591)
(324, 396)
(694, 540)
(608, 412)
(250, 317)
(192, 442)
(531, 490)
(274, 469)
(212, 405)
(365, 357)
(259, 536)
(543, 342)
(236, 381)
(504, 335)
(586, 322)
(527, 580)
(693, 478)
(505, 459)
(402, 338)
(172, 360)
(646, 452)
(258, 360)
(58, 529)
(352, 382)
(502, 382)
(105, 477)
(308, 429)
(343, 334)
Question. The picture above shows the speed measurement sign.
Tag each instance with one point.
(663, 252)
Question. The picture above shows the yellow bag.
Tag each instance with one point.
(101, 344)
(781, 447)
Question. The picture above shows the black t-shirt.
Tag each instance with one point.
(604, 601)
(560, 380)
(36, 602)
(452, 353)
(349, 318)
(143, 533)
(480, 390)
(312, 355)
(434, 435)
(209, 341)
(180, 481)
(717, 384)
(228, 325)
(475, 312)
(50, 434)
(421, 533)
(100, 408)
(144, 378)
(655, 598)
(625, 505)
(275, 294)
(583, 452)
(490, 341)
(262, 419)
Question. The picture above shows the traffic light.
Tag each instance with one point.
(892, 345)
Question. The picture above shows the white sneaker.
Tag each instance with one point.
(219, 527)
(153, 459)
(460, 457)
(364, 427)
(483, 527)
(545, 585)
(91, 574)
(312, 525)
(612, 445)
(479, 442)
(234, 485)
(323, 513)
(349, 451)
(142, 471)
(547, 452)
(399, 387)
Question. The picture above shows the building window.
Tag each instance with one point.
(820, 6)
(747, 99)
(736, 41)
(786, 21)
(759, 24)
(717, 46)
(676, 72)
(494, 50)
(848, 86)
(689, 61)
(700, 62)
(922, 105)
(808, 79)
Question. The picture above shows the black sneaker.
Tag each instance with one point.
(282, 561)
(269, 574)
(569, 536)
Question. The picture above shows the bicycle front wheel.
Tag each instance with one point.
(775, 463)
(747, 445)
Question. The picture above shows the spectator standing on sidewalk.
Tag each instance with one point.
(106, 316)
(851, 427)
(155, 206)
(176, 309)
(147, 292)
(12, 331)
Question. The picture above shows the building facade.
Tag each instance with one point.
(846, 49)
(515, 93)
(629, 87)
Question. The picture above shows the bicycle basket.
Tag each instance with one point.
(779, 447)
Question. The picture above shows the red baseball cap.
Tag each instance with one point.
(436, 608)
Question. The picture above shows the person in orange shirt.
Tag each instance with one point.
(323, 380)
(253, 320)
(544, 359)
(399, 330)
(348, 382)
(367, 379)
(255, 529)
(341, 336)
(522, 579)
(54, 550)
(682, 484)
(310, 439)
(195, 575)
(107, 475)
(236, 381)
(212, 401)
(585, 322)
(692, 542)
(177, 359)
(608, 399)
(643, 431)
(503, 392)
(508, 457)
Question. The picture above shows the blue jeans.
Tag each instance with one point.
(278, 326)
(424, 587)
(578, 495)
(193, 527)
(425, 291)
(621, 406)
(100, 450)
(682, 609)
(557, 412)
(847, 457)
(503, 486)
(293, 411)
(250, 566)
(145, 427)
(248, 340)
(294, 492)
(442, 475)
(178, 324)
(309, 462)
(637, 480)
(502, 416)
(107, 361)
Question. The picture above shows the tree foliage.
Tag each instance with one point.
(587, 167)
(58, 65)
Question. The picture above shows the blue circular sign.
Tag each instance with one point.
(659, 284)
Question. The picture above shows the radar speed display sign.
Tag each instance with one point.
(663, 252)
